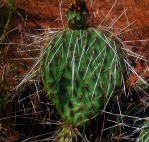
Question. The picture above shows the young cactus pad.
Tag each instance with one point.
(82, 70)
(77, 15)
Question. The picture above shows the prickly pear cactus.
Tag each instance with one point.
(82, 70)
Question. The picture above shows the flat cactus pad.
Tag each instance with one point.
(82, 70)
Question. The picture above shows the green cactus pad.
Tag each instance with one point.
(77, 16)
(82, 70)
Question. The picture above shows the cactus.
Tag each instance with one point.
(144, 135)
(77, 15)
(82, 68)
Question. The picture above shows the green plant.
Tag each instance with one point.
(83, 69)
(77, 15)
(144, 135)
